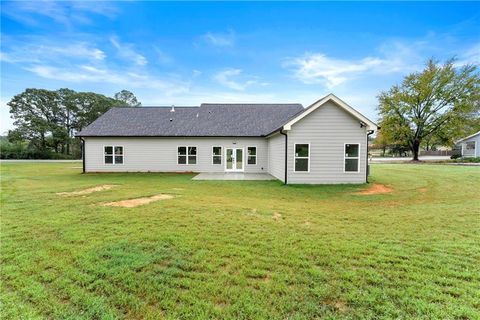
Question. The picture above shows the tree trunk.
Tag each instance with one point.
(68, 131)
(415, 149)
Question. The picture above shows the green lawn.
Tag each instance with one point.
(216, 250)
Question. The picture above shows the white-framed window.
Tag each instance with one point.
(113, 154)
(186, 155)
(351, 158)
(302, 157)
(252, 155)
(216, 155)
(469, 148)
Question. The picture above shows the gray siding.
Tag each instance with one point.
(476, 139)
(160, 154)
(327, 129)
(276, 154)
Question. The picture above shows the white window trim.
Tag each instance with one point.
(358, 158)
(256, 154)
(113, 163)
(464, 146)
(187, 164)
(295, 157)
(214, 155)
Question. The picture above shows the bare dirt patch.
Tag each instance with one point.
(376, 188)
(88, 190)
(277, 216)
(423, 190)
(131, 203)
(340, 306)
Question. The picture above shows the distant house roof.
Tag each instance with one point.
(215, 120)
(470, 136)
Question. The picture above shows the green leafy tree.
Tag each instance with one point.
(35, 113)
(427, 102)
(48, 120)
(128, 98)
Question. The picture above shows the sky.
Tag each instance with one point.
(187, 53)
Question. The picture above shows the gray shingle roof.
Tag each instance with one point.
(221, 120)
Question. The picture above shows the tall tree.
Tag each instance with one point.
(427, 102)
(128, 98)
(35, 113)
(49, 120)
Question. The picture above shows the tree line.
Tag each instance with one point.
(46, 121)
(432, 107)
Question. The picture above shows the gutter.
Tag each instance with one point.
(286, 154)
(83, 154)
(369, 133)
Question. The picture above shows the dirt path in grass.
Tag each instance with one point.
(375, 188)
(131, 203)
(88, 190)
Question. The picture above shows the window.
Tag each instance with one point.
(113, 154)
(352, 157)
(187, 155)
(302, 158)
(217, 155)
(469, 148)
(252, 155)
(470, 145)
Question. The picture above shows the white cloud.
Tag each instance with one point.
(41, 51)
(470, 56)
(226, 76)
(162, 57)
(126, 51)
(93, 74)
(220, 39)
(62, 12)
(317, 67)
(393, 57)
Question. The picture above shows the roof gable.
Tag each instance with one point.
(340, 103)
(468, 137)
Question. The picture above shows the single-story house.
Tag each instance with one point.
(325, 143)
(470, 146)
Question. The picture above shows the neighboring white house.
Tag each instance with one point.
(470, 145)
(324, 143)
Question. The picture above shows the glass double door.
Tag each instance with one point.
(234, 159)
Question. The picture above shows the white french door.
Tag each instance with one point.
(234, 159)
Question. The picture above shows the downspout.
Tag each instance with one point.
(369, 133)
(286, 153)
(83, 154)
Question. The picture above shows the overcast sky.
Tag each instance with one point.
(189, 53)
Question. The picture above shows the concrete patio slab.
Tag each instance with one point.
(233, 176)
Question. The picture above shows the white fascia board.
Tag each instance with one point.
(470, 136)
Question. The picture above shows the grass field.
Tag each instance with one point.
(240, 249)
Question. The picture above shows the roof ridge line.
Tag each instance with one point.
(145, 107)
(274, 104)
